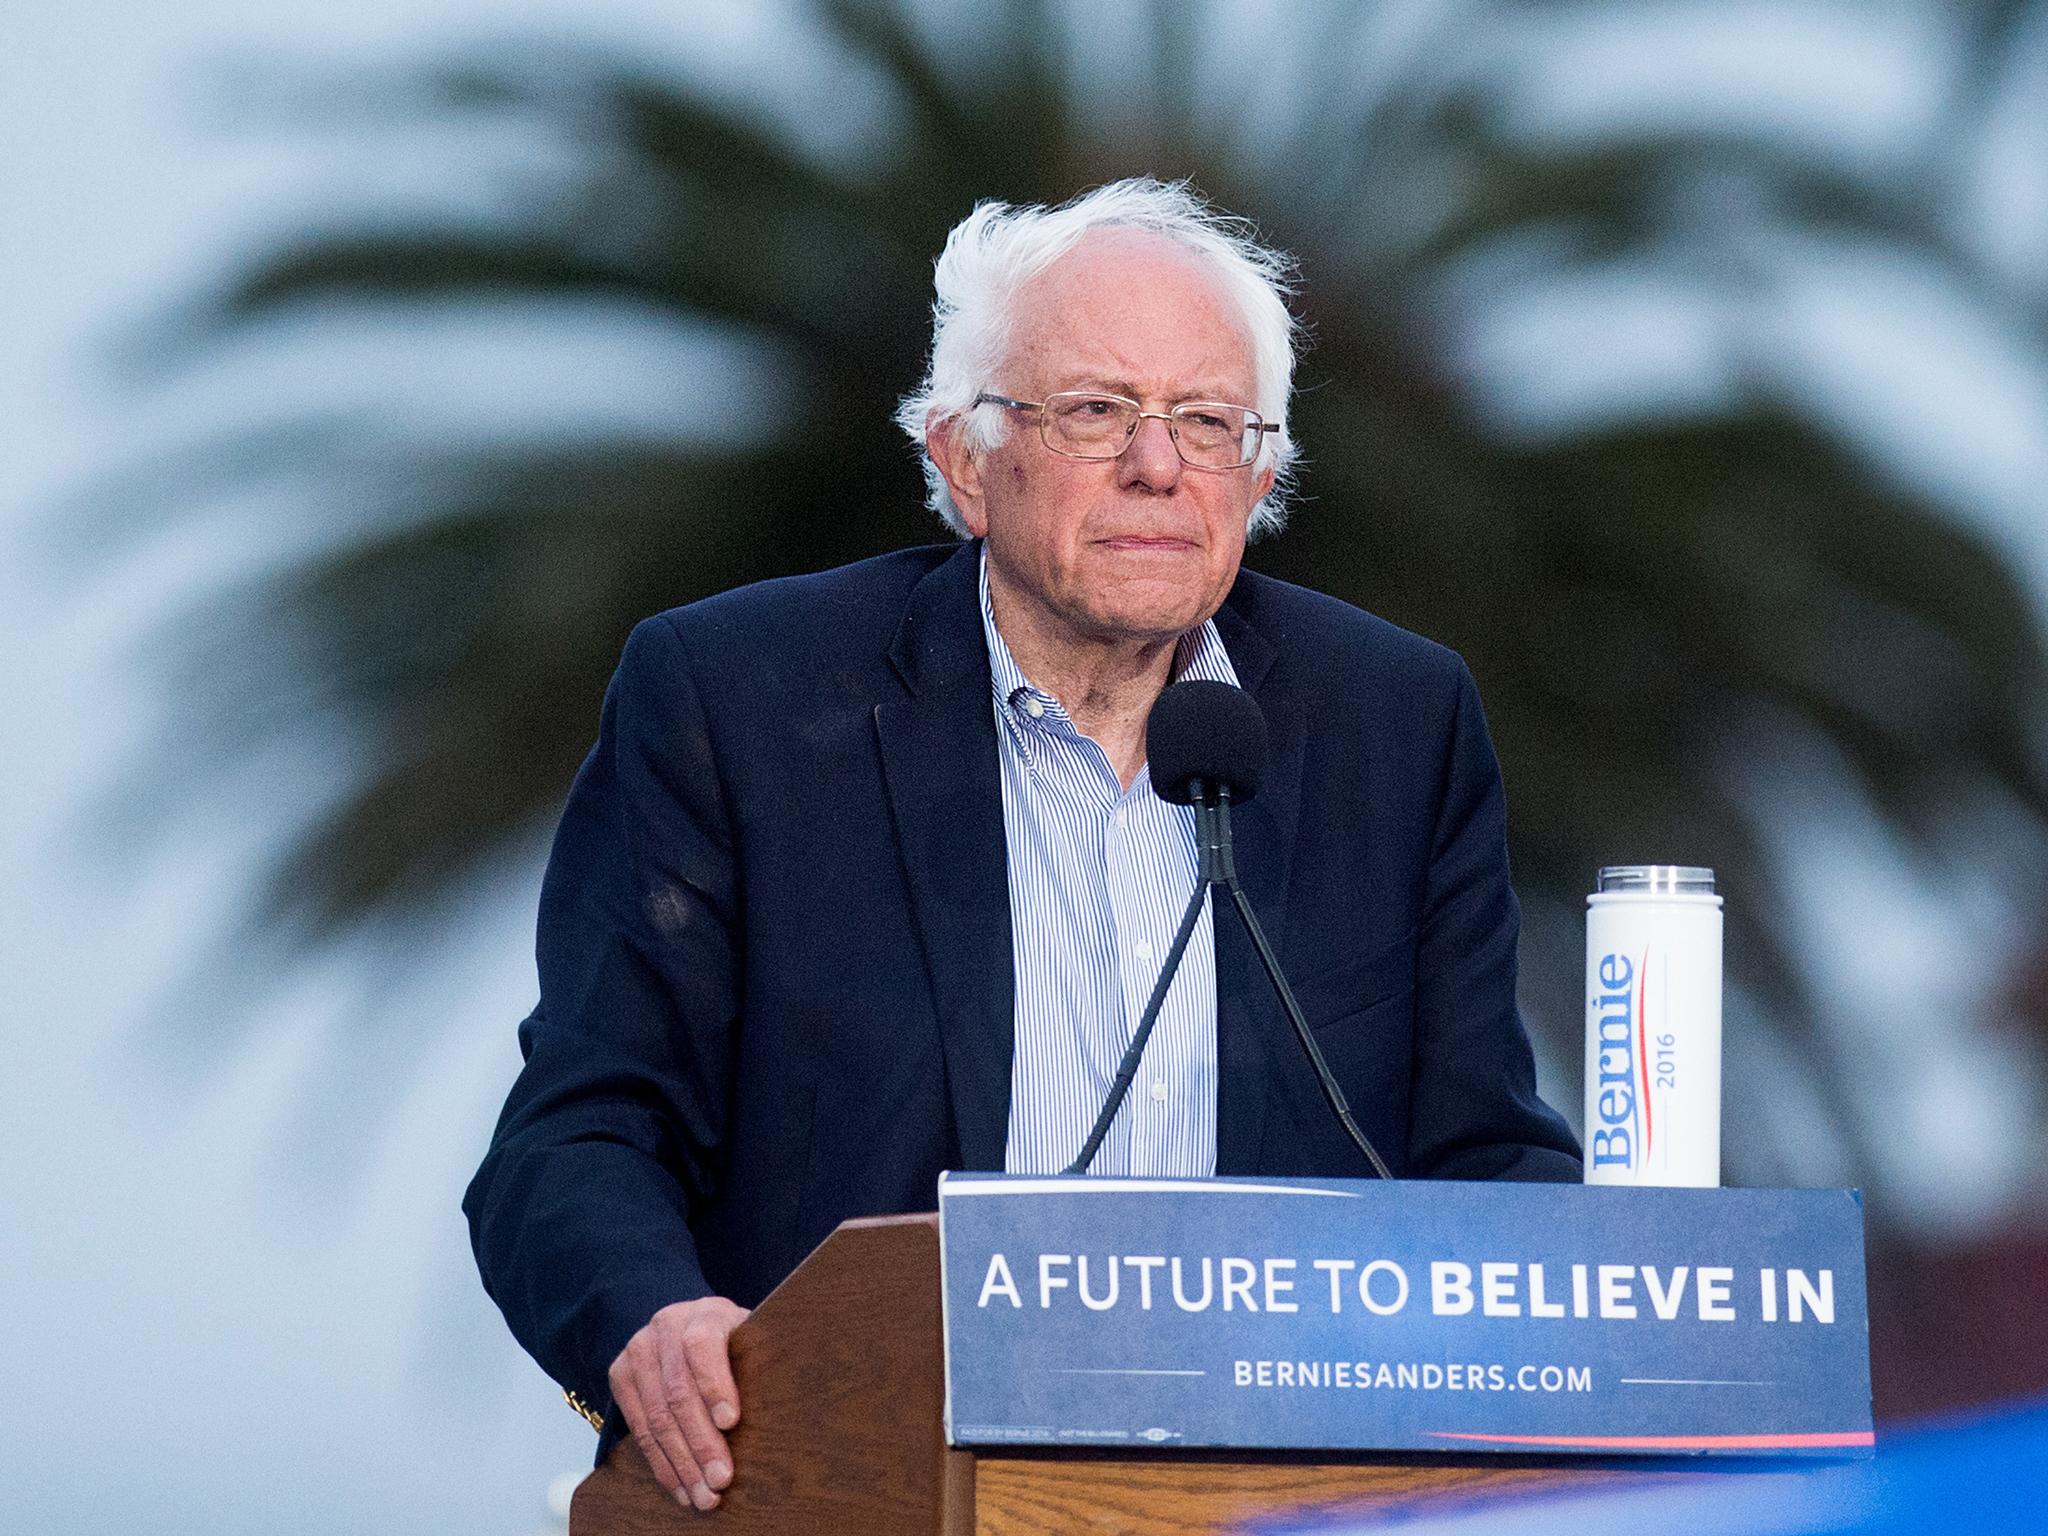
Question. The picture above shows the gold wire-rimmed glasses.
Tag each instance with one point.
(1082, 424)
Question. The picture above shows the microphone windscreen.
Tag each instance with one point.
(1209, 731)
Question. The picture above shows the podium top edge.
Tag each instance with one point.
(969, 1184)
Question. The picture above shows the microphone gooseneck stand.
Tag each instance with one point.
(1216, 865)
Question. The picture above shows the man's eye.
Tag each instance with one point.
(1205, 421)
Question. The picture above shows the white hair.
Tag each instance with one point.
(993, 252)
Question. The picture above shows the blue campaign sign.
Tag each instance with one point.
(1347, 1314)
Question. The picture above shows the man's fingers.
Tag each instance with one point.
(711, 1363)
(626, 1393)
(663, 1424)
(673, 1381)
(655, 1428)
(692, 1412)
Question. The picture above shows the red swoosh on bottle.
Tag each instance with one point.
(1643, 1055)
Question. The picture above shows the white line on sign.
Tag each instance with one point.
(1080, 1370)
(1680, 1381)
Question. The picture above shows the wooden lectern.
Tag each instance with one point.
(842, 1387)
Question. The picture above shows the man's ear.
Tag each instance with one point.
(961, 465)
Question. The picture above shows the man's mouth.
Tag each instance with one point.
(1148, 543)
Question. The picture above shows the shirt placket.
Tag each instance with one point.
(1074, 768)
(1142, 942)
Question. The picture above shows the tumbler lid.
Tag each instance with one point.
(1656, 879)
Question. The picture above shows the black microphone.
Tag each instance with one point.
(1205, 746)
(1205, 733)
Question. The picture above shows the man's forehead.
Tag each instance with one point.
(1108, 262)
(1124, 303)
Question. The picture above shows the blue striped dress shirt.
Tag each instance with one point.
(1099, 876)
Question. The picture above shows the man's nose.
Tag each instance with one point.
(1151, 459)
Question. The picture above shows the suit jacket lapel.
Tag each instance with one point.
(1251, 1028)
(939, 759)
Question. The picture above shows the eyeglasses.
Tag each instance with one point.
(1205, 433)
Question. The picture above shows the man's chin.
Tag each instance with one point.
(1146, 622)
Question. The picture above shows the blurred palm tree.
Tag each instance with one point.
(1642, 595)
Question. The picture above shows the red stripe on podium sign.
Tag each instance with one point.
(1816, 1442)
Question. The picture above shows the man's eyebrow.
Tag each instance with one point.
(1095, 383)
(1098, 384)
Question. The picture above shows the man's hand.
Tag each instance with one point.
(673, 1381)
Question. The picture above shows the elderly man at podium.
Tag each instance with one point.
(864, 878)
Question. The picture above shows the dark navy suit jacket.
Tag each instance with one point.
(775, 961)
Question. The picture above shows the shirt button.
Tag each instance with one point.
(1144, 949)
(1159, 1093)
(1033, 707)
(1122, 815)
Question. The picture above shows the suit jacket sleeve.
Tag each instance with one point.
(1473, 1108)
(611, 1138)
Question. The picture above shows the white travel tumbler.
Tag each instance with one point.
(1653, 1027)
